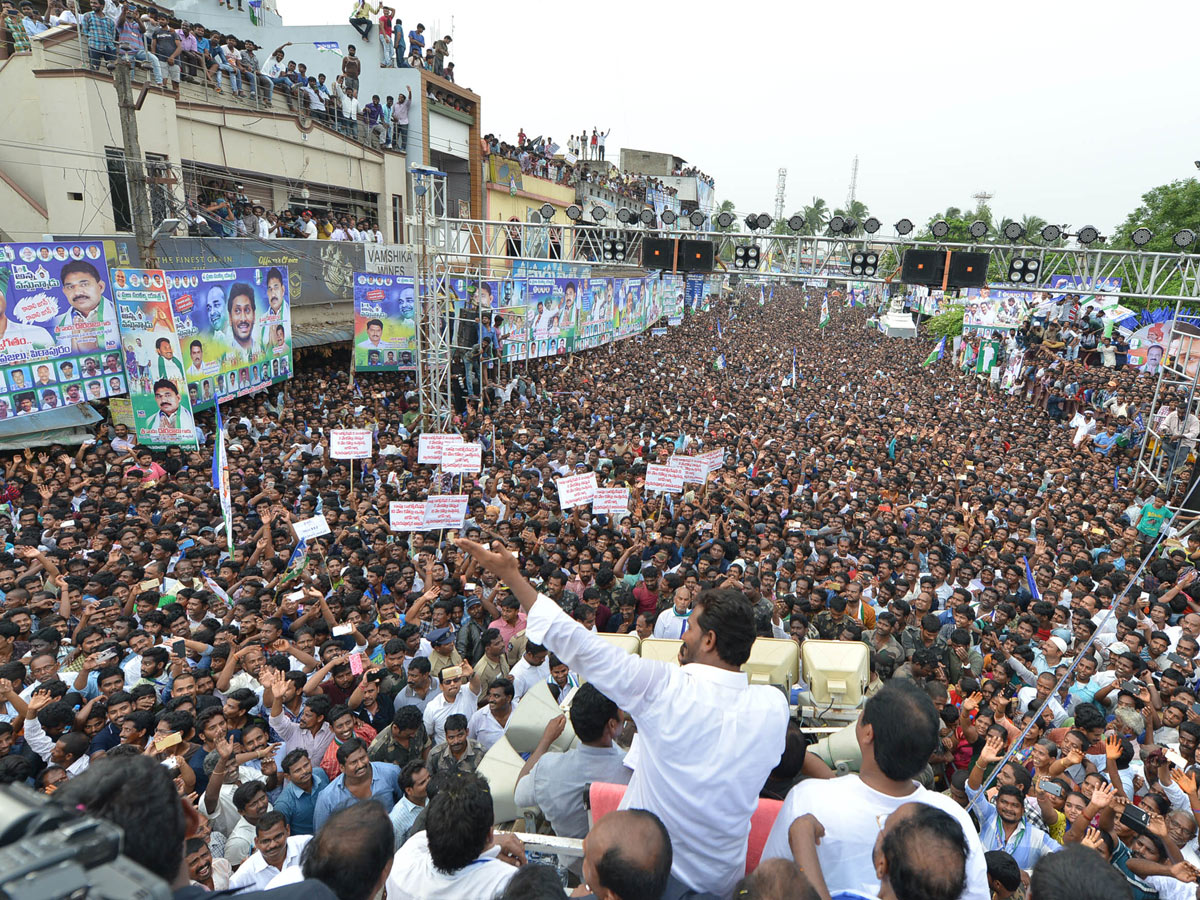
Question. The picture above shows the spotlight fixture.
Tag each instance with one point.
(1142, 236)
(1087, 235)
(1051, 233)
(696, 218)
(864, 263)
(904, 226)
(1185, 237)
(574, 213)
(623, 216)
(547, 212)
(764, 221)
(850, 225)
(1014, 231)
(598, 213)
(978, 229)
(746, 257)
(871, 225)
(668, 217)
(607, 247)
(647, 216)
(619, 251)
(614, 251)
(752, 222)
(724, 220)
(836, 224)
(796, 222)
(940, 229)
(1023, 270)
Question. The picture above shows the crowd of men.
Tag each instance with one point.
(262, 717)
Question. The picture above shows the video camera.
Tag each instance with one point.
(49, 853)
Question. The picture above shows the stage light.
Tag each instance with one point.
(764, 221)
(696, 218)
(1022, 270)
(752, 221)
(574, 213)
(724, 220)
(1014, 231)
(607, 247)
(623, 216)
(940, 229)
(904, 226)
(836, 224)
(1142, 236)
(619, 251)
(668, 217)
(752, 257)
(850, 225)
(1184, 237)
(547, 212)
(1051, 233)
(796, 222)
(864, 263)
(647, 216)
(1087, 235)
(598, 213)
(978, 229)
(871, 225)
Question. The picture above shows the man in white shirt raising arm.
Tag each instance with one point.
(706, 739)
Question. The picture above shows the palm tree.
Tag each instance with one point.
(1033, 225)
(816, 214)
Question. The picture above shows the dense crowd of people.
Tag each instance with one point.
(319, 713)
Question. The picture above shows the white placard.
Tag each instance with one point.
(664, 478)
(311, 528)
(609, 501)
(576, 490)
(430, 447)
(406, 516)
(446, 511)
(466, 459)
(350, 443)
(694, 469)
(714, 459)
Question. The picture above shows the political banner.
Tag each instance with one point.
(714, 459)
(610, 501)
(594, 326)
(120, 410)
(430, 447)
(406, 516)
(446, 511)
(664, 478)
(385, 330)
(159, 392)
(694, 468)
(462, 459)
(673, 291)
(235, 325)
(995, 307)
(540, 315)
(308, 529)
(350, 443)
(576, 490)
(628, 312)
(59, 342)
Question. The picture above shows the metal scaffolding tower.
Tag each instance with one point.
(780, 194)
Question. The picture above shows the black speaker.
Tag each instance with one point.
(925, 267)
(696, 256)
(968, 269)
(658, 253)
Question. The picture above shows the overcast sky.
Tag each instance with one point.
(1062, 110)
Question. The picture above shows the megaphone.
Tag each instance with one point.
(529, 718)
(500, 766)
(839, 750)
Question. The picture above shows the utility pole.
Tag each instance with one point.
(852, 196)
(135, 166)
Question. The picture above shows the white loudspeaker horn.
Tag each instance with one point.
(529, 718)
(500, 766)
(630, 642)
(774, 661)
(663, 649)
(840, 749)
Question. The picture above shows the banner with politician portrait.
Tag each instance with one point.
(235, 329)
(628, 309)
(595, 320)
(995, 307)
(59, 343)
(159, 393)
(385, 330)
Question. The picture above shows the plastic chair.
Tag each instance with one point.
(603, 798)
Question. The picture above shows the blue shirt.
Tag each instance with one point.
(299, 806)
(385, 787)
(1028, 843)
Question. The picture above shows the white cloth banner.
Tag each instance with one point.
(609, 501)
(466, 459)
(406, 516)
(311, 528)
(714, 459)
(430, 446)
(576, 490)
(350, 443)
(446, 511)
(694, 468)
(664, 478)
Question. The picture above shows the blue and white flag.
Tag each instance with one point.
(1033, 588)
(721, 361)
(221, 480)
(328, 47)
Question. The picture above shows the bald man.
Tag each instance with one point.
(627, 856)
(776, 879)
